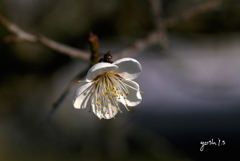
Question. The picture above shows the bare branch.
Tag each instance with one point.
(137, 46)
(64, 94)
(21, 35)
(64, 49)
(160, 34)
(156, 9)
(94, 45)
(192, 12)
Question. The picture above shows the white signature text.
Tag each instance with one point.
(211, 142)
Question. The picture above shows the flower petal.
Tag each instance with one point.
(134, 97)
(106, 112)
(82, 95)
(128, 68)
(99, 69)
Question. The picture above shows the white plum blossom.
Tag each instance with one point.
(107, 85)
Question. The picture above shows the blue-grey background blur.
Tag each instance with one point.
(192, 88)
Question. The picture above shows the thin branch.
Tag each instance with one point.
(156, 9)
(94, 45)
(20, 35)
(159, 34)
(136, 47)
(64, 94)
(192, 12)
(139, 45)
(64, 49)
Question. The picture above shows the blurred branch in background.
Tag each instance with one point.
(192, 12)
(159, 35)
(20, 35)
(156, 36)
(58, 102)
(156, 9)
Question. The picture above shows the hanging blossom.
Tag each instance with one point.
(107, 85)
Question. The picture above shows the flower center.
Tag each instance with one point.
(110, 89)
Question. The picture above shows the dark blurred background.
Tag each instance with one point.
(192, 85)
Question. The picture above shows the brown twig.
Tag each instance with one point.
(156, 9)
(20, 35)
(94, 45)
(139, 45)
(64, 49)
(159, 34)
(192, 12)
(136, 47)
(64, 94)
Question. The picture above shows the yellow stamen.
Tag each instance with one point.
(79, 81)
(95, 82)
(98, 103)
(111, 72)
(114, 117)
(102, 107)
(142, 92)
